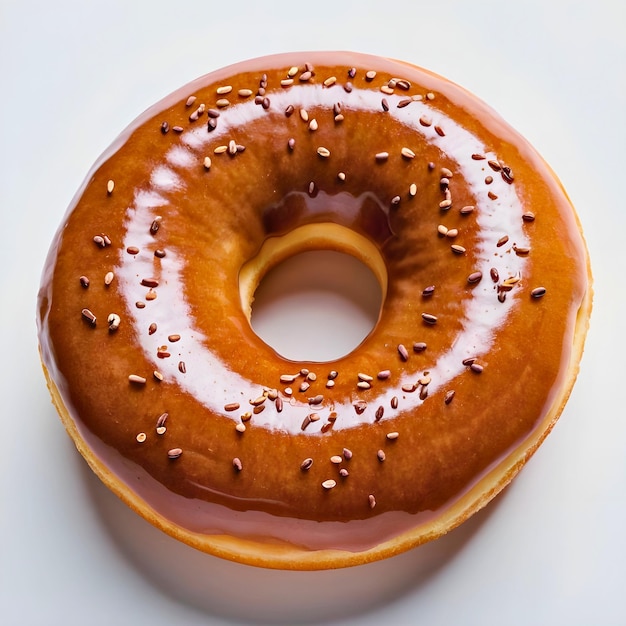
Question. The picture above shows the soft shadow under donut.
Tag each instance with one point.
(218, 587)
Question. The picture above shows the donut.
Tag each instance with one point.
(207, 432)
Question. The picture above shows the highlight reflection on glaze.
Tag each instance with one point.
(482, 314)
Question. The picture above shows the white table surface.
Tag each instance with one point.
(550, 550)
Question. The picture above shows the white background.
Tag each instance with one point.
(551, 550)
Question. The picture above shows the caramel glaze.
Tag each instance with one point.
(450, 456)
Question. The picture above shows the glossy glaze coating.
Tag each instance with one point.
(480, 257)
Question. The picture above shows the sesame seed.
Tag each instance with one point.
(304, 116)
(477, 368)
(384, 104)
(306, 464)
(521, 251)
(331, 80)
(323, 152)
(360, 407)
(84, 281)
(538, 292)
(407, 153)
(425, 120)
(330, 384)
(341, 176)
(457, 249)
(258, 401)
(529, 216)
(380, 411)
(392, 436)
(222, 103)
(383, 374)
(182, 368)
(89, 316)
(412, 190)
(430, 96)
(347, 454)
(492, 196)
(404, 102)
(394, 402)
(332, 374)
(429, 319)
(113, 321)
(237, 464)
(440, 131)
(502, 241)
(165, 127)
(136, 379)
(150, 282)
(507, 174)
(232, 406)
(428, 291)
(336, 459)
(316, 400)
(291, 144)
(372, 501)
(329, 484)
(313, 125)
(343, 472)
(475, 277)
(157, 375)
(419, 346)
(244, 93)
(110, 186)
(364, 385)
(403, 352)
(495, 276)
(381, 455)
(445, 204)
(370, 75)
(382, 156)
(174, 453)
(141, 437)
(305, 76)
(466, 210)
(494, 165)
(449, 396)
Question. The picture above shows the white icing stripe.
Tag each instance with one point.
(214, 386)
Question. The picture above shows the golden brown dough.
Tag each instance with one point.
(198, 425)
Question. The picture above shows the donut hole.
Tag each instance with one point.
(316, 306)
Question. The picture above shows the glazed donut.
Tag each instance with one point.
(200, 426)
